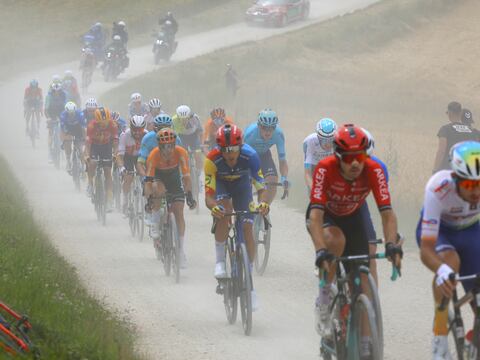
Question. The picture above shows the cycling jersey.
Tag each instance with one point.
(33, 96)
(150, 142)
(68, 122)
(313, 151)
(187, 127)
(128, 145)
(333, 193)
(211, 129)
(88, 115)
(157, 163)
(247, 167)
(443, 206)
(142, 110)
(101, 135)
(121, 125)
(55, 103)
(253, 138)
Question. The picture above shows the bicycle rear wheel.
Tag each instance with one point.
(363, 324)
(245, 287)
(230, 293)
(262, 244)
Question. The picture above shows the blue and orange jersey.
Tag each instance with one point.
(248, 164)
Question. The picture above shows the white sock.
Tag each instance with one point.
(219, 252)
(181, 240)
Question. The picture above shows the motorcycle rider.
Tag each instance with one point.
(96, 37)
(119, 28)
(117, 47)
(169, 26)
(88, 60)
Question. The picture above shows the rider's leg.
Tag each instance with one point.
(67, 146)
(249, 240)
(270, 174)
(107, 170)
(221, 231)
(271, 189)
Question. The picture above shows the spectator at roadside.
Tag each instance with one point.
(452, 133)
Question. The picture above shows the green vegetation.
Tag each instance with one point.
(36, 280)
(45, 32)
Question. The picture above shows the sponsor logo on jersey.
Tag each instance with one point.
(382, 183)
(318, 184)
(430, 221)
(443, 185)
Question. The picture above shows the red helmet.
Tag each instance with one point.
(350, 138)
(229, 135)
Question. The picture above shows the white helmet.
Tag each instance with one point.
(121, 23)
(70, 107)
(136, 97)
(184, 112)
(155, 103)
(117, 38)
(55, 86)
(465, 159)
(371, 142)
(137, 121)
(56, 78)
(91, 104)
(168, 23)
(68, 73)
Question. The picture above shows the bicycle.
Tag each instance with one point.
(194, 175)
(14, 339)
(167, 246)
(456, 329)
(238, 283)
(33, 120)
(77, 166)
(136, 207)
(354, 312)
(99, 196)
(117, 187)
(262, 235)
(55, 146)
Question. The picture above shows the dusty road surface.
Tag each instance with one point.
(187, 320)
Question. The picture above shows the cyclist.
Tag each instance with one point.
(128, 149)
(88, 62)
(136, 106)
(155, 108)
(72, 124)
(262, 136)
(70, 86)
(120, 122)
(189, 129)
(230, 169)
(32, 99)
(167, 165)
(317, 146)
(149, 142)
(89, 112)
(54, 105)
(449, 231)
(216, 120)
(337, 217)
(102, 141)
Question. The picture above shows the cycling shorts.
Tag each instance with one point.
(76, 131)
(172, 181)
(130, 161)
(239, 191)
(102, 152)
(466, 242)
(267, 164)
(190, 141)
(357, 228)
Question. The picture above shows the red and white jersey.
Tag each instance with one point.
(333, 193)
(128, 145)
(443, 205)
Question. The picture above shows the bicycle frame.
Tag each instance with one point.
(13, 336)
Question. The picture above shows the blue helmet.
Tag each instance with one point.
(33, 83)
(465, 159)
(326, 128)
(162, 120)
(267, 118)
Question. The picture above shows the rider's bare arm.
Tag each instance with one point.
(308, 178)
(283, 167)
(315, 227)
(389, 223)
(428, 254)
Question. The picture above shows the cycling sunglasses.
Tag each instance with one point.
(349, 158)
(468, 184)
(268, 128)
(229, 149)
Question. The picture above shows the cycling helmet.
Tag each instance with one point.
(350, 138)
(115, 116)
(154, 104)
(103, 116)
(267, 118)
(137, 121)
(70, 107)
(166, 136)
(91, 104)
(162, 120)
(465, 159)
(56, 86)
(68, 74)
(168, 23)
(56, 78)
(136, 97)
(371, 142)
(34, 83)
(184, 112)
(217, 113)
(117, 38)
(121, 23)
(229, 135)
(326, 128)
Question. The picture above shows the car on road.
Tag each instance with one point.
(277, 12)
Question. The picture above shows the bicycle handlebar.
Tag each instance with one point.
(241, 213)
(455, 277)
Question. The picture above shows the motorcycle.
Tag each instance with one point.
(112, 65)
(163, 48)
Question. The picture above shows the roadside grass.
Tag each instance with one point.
(35, 280)
(335, 69)
(39, 33)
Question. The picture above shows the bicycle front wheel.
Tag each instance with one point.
(262, 244)
(456, 338)
(230, 295)
(362, 327)
(245, 287)
(176, 248)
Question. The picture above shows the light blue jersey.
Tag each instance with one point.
(253, 138)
